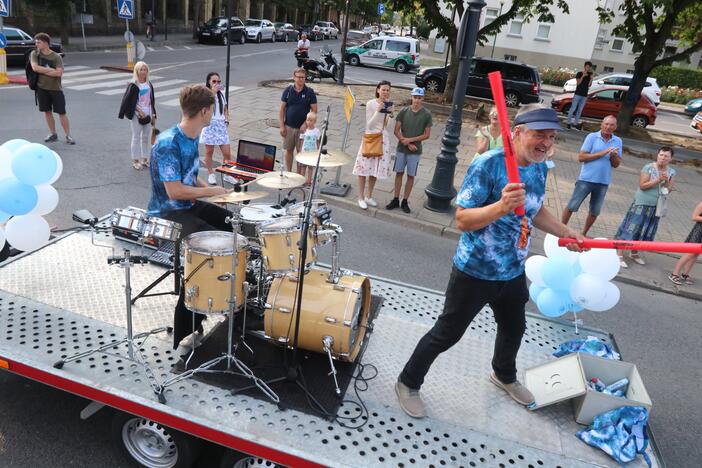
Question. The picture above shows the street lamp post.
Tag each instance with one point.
(494, 39)
(441, 191)
(342, 65)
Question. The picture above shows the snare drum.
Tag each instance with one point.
(320, 211)
(253, 215)
(208, 262)
(163, 229)
(339, 311)
(130, 219)
(279, 244)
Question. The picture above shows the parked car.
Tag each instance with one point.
(521, 82)
(312, 30)
(651, 88)
(215, 30)
(20, 45)
(259, 30)
(697, 122)
(400, 53)
(285, 32)
(607, 100)
(694, 106)
(356, 38)
(328, 29)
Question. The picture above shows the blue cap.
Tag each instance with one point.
(539, 119)
(417, 92)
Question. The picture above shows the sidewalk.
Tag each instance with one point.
(116, 41)
(254, 116)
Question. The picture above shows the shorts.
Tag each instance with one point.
(291, 138)
(597, 194)
(51, 101)
(410, 161)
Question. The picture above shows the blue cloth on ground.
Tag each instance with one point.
(620, 433)
(591, 345)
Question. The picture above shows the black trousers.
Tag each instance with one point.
(201, 217)
(465, 297)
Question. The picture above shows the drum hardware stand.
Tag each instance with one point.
(328, 342)
(175, 270)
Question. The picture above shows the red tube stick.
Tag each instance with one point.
(498, 95)
(654, 246)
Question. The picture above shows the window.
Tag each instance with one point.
(373, 45)
(617, 44)
(483, 67)
(515, 27)
(543, 31)
(601, 39)
(517, 73)
(13, 35)
(608, 69)
(510, 58)
(397, 46)
(607, 95)
(490, 15)
(631, 72)
(670, 50)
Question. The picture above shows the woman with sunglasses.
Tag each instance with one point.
(489, 137)
(217, 133)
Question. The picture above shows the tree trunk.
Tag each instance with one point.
(642, 66)
(196, 16)
(452, 72)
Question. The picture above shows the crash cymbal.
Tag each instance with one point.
(236, 197)
(280, 180)
(332, 158)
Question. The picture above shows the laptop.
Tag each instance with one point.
(252, 160)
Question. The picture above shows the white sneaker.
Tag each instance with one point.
(212, 178)
(371, 202)
(363, 204)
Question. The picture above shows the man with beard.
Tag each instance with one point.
(488, 267)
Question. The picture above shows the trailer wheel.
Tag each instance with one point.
(148, 444)
(233, 459)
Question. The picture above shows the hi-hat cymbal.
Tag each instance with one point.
(280, 180)
(236, 197)
(332, 158)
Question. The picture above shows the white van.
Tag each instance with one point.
(400, 53)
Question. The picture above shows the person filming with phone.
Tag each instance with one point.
(583, 80)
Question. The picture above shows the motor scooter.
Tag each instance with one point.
(315, 69)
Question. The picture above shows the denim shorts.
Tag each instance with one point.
(411, 161)
(597, 194)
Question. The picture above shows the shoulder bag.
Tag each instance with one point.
(372, 146)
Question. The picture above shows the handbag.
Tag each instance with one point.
(372, 146)
(145, 120)
(662, 202)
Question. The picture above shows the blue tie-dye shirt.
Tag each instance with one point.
(174, 157)
(493, 252)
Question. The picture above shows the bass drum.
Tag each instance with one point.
(339, 311)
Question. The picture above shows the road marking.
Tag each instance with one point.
(176, 102)
(109, 84)
(187, 47)
(180, 64)
(169, 47)
(169, 92)
(150, 48)
(100, 77)
(71, 75)
(157, 85)
(65, 69)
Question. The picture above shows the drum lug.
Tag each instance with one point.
(329, 319)
(283, 339)
(339, 287)
(347, 323)
(210, 303)
(284, 310)
(267, 306)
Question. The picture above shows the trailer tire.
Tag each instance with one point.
(146, 443)
(233, 459)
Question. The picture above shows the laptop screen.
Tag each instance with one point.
(257, 155)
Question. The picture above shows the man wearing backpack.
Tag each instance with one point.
(48, 65)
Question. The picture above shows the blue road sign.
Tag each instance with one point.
(3, 41)
(5, 8)
(381, 9)
(125, 9)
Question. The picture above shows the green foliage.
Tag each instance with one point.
(679, 95)
(679, 77)
(423, 28)
(556, 76)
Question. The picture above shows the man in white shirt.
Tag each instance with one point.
(303, 49)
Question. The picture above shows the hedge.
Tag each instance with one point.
(556, 76)
(679, 95)
(680, 77)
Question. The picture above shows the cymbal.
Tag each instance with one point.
(236, 197)
(332, 158)
(280, 180)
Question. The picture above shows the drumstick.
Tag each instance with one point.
(498, 95)
(652, 246)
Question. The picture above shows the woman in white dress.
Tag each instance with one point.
(379, 118)
(216, 134)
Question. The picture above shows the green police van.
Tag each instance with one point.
(400, 53)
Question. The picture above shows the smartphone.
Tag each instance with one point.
(388, 104)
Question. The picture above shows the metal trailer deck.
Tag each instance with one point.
(65, 298)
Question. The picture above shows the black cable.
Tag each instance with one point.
(81, 228)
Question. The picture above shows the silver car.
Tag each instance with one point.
(258, 30)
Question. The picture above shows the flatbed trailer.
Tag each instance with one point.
(65, 298)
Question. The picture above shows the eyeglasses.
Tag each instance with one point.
(216, 81)
(302, 77)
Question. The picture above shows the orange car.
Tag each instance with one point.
(697, 122)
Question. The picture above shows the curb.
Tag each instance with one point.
(122, 45)
(15, 79)
(116, 68)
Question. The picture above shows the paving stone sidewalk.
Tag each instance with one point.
(255, 117)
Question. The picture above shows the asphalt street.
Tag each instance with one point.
(40, 426)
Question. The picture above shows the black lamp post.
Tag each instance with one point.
(441, 191)
(342, 65)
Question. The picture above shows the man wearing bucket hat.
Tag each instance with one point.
(488, 267)
(413, 125)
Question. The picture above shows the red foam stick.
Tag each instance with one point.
(498, 95)
(653, 246)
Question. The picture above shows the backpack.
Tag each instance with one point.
(32, 76)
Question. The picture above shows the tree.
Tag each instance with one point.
(648, 25)
(60, 9)
(431, 12)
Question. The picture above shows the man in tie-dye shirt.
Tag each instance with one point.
(488, 267)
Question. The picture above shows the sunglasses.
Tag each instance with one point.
(216, 81)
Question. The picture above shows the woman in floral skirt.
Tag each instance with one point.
(217, 133)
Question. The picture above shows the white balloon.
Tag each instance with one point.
(532, 268)
(611, 298)
(587, 290)
(5, 164)
(602, 263)
(47, 200)
(27, 232)
(59, 169)
(553, 250)
(2, 238)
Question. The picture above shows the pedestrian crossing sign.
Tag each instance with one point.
(5, 8)
(125, 9)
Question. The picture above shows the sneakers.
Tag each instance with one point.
(136, 164)
(51, 137)
(394, 203)
(362, 204)
(405, 206)
(371, 202)
(637, 259)
(622, 263)
(410, 401)
(212, 178)
(516, 390)
(70, 140)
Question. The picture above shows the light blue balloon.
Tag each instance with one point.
(17, 198)
(13, 145)
(552, 303)
(576, 269)
(4, 216)
(534, 291)
(34, 164)
(557, 273)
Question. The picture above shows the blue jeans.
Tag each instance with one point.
(576, 106)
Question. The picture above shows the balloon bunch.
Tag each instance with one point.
(566, 281)
(27, 171)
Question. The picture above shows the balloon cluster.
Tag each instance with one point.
(565, 281)
(27, 171)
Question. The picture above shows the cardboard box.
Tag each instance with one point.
(566, 378)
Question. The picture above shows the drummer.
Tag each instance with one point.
(175, 187)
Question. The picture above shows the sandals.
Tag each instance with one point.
(686, 279)
(145, 163)
(136, 165)
(622, 263)
(675, 279)
(637, 259)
